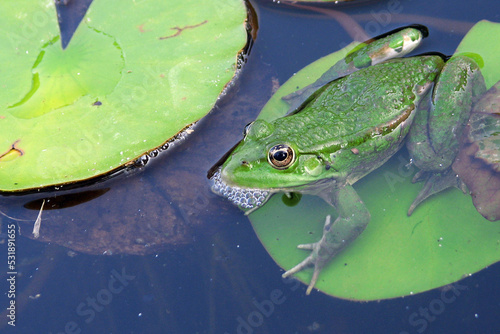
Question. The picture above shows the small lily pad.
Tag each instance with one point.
(480, 44)
(134, 74)
(444, 240)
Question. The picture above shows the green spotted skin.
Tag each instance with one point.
(350, 127)
(366, 54)
(391, 46)
(435, 138)
(337, 117)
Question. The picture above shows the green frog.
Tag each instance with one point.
(340, 129)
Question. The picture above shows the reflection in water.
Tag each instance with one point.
(66, 201)
(46, 262)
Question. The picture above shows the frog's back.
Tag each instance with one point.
(356, 107)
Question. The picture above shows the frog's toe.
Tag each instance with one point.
(314, 279)
(434, 184)
(306, 246)
(301, 266)
(308, 262)
(319, 257)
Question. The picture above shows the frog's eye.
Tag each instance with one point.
(281, 156)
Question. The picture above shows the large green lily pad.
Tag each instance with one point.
(444, 240)
(134, 74)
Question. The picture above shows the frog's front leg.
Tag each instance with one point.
(434, 138)
(352, 220)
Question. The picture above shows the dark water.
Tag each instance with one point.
(221, 280)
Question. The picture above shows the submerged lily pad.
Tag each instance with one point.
(132, 77)
(444, 240)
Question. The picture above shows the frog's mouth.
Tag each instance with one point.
(248, 199)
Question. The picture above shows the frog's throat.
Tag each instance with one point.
(249, 199)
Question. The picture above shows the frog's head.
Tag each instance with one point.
(264, 162)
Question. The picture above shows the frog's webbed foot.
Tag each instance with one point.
(435, 183)
(351, 221)
(319, 257)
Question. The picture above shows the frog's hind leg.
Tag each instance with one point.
(394, 44)
(436, 132)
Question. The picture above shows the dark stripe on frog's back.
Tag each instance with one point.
(344, 110)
